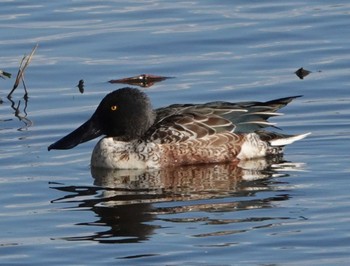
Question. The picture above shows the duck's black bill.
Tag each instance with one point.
(88, 131)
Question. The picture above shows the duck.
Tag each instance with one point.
(136, 136)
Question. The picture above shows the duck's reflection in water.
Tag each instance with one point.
(127, 201)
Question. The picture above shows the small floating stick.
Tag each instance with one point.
(4, 74)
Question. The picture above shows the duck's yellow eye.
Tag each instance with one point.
(114, 107)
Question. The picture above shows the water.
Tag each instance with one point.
(55, 209)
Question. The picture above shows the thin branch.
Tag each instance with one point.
(21, 70)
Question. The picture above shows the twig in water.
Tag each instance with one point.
(20, 74)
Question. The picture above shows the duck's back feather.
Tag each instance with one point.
(181, 122)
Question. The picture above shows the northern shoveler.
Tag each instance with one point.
(136, 136)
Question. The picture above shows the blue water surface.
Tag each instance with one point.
(55, 210)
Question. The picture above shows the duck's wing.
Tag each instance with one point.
(256, 115)
(184, 126)
(177, 123)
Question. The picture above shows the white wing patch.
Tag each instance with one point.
(288, 140)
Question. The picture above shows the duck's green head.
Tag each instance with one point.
(125, 113)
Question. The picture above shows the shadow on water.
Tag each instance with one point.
(20, 112)
(21, 117)
(127, 201)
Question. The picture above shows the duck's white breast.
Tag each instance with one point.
(114, 154)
